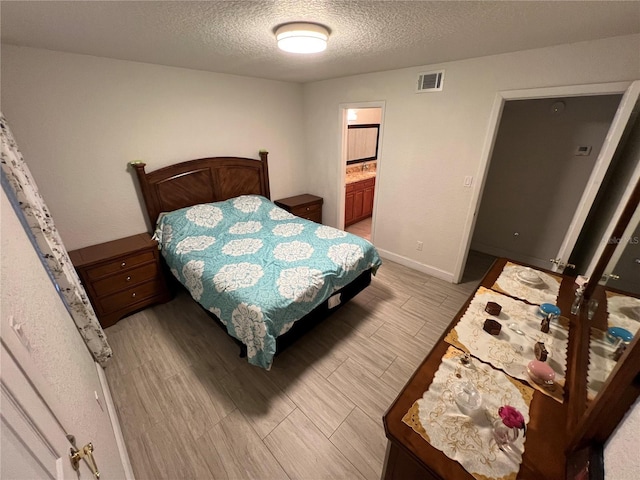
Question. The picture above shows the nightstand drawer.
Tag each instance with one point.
(129, 278)
(119, 265)
(130, 296)
(307, 210)
(304, 206)
(314, 216)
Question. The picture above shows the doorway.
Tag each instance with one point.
(360, 167)
(630, 91)
(544, 154)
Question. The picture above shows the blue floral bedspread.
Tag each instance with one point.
(257, 267)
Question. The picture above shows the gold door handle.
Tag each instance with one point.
(610, 276)
(87, 453)
(560, 264)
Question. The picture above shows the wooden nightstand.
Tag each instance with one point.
(121, 276)
(304, 206)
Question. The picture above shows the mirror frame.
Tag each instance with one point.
(594, 423)
(371, 126)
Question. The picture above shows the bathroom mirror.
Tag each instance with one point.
(362, 143)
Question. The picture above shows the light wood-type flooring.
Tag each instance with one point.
(191, 408)
(361, 229)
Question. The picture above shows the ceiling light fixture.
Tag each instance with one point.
(302, 37)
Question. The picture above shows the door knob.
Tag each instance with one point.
(560, 264)
(87, 453)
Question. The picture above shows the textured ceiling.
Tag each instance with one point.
(237, 36)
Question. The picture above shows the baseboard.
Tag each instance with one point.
(115, 423)
(502, 252)
(421, 267)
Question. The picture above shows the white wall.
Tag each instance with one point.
(535, 180)
(366, 116)
(432, 140)
(79, 120)
(58, 363)
(621, 460)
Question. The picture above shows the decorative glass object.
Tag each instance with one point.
(506, 428)
(467, 397)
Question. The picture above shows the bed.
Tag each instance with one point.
(265, 275)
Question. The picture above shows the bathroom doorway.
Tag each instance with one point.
(360, 166)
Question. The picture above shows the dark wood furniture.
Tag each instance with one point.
(303, 206)
(217, 179)
(411, 457)
(204, 180)
(358, 202)
(121, 276)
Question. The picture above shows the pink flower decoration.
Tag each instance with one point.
(511, 417)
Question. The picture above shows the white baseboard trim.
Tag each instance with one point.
(421, 267)
(517, 256)
(115, 423)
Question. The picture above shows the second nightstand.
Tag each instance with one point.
(121, 276)
(304, 206)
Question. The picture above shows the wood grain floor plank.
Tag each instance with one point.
(318, 399)
(405, 345)
(197, 407)
(406, 320)
(366, 390)
(398, 374)
(374, 356)
(167, 452)
(263, 404)
(363, 442)
(305, 453)
(360, 317)
(232, 450)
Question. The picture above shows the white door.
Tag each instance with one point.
(34, 444)
(50, 384)
(614, 135)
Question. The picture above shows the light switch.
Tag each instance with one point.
(468, 180)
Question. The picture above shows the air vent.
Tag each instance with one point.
(430, 82)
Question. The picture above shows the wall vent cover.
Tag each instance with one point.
(430, 81)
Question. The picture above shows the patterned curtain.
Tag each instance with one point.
(52, 251)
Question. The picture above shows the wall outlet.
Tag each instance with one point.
(419, 246)
(468, 180)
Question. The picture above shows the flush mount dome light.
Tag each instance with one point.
(302, 37)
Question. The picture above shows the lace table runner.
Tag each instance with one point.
(513, 348)
(528, 284)
(469, 439)
(601, 363)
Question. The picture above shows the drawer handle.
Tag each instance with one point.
(123, 264)
(128, 278)
(133, 295)
(308, 208)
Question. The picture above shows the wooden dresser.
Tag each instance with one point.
(304, 206)
(410, 457)
(121, 276)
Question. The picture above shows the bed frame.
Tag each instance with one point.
(204, 180)
(216, 179)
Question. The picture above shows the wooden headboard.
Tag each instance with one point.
(201, 181)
